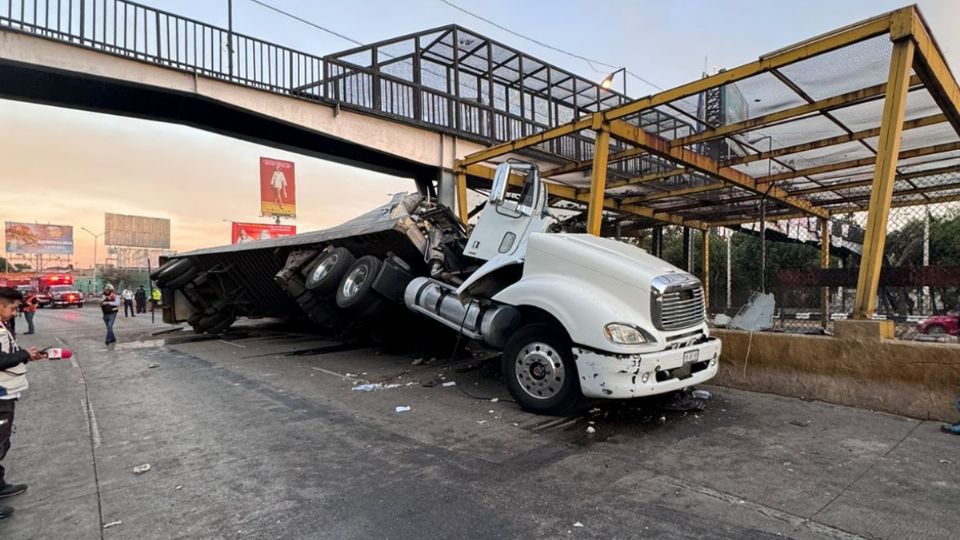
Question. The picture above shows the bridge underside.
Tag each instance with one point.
(24, 82)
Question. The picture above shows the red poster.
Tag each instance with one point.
(242, 233)
(277, 188)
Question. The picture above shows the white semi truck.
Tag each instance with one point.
(573, 314)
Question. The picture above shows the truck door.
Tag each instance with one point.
(505, 224)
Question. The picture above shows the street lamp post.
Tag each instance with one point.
(607, 81)
(95, 238)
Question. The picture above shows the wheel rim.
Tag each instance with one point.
(327, 264)
(351, 285)
(540, 370)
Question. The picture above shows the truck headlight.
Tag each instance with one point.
(624, 334)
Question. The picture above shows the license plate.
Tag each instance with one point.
(691, 356)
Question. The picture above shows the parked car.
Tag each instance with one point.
(65, 296)
(948, 324)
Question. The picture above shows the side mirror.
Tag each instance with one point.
(501, 181)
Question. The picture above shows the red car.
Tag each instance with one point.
(941, 325)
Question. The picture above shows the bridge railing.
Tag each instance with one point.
(132, 30)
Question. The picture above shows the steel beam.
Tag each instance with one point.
(844, 165)
(526, 142)
(598, 181)
(706, 268)
(688, 158)
(609, 203)
(818, 45)
(836, 102)
(824, 264)
(649, 177)
(888, 150)
(462, 197)
(675, 193)
(755, 219)
(934, 71)
(832, 141)
(861, 183)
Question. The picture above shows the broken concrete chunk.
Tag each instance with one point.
(140, 469)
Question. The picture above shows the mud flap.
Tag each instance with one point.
(392, 280)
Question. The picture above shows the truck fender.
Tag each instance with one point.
(474, 284)
(582, 308)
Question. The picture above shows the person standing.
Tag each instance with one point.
(30, 305)
(13, 381)
(127, 295)
(140, 297)
(110, 307)
(154, 299)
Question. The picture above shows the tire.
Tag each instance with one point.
(355, 295)
(181, 280)
(323, 276)
(935, 330)
(215, 324)
(539, 370)
(172, 270)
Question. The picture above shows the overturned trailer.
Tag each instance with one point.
(575, 315)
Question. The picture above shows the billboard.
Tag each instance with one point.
(136, 231)
(37, 238)
(241, 233)
(277, 188)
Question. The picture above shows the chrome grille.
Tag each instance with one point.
(677, 302)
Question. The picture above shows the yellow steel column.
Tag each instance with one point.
(462, 196)
(598, 180)
(824, 264)
(706, 268)
(884, 175)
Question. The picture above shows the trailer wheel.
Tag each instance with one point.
(355, 294)
(325, 274)
(539, 370)
(216, 323)
(171, 271)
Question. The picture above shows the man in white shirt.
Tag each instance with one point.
(13, 381)
(127, 296)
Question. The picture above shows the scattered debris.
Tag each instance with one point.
(591, 430)
(370, 387)
(578, 524)
(416, 362)
(701, 394)
(494, 400)
(756, 314)
(178, 488)
(389, 386)
(481, 421)
(491, 411)
(151, 366)
(449, 383)
(945, 461)
(112, 524)
(473, 366)
(140, 469)
(402, 408)
(800, 423)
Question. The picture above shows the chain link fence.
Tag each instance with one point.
(919, 284)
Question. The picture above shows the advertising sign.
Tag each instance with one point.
(242, 233)
(37, 238)
(136, 231)
(277, 188)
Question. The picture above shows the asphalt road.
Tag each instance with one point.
(261, 435)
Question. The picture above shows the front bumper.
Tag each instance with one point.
(618, 376)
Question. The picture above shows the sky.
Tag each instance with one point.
(69, 167)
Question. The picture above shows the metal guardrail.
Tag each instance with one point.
(132, 30)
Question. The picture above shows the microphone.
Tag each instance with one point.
(56, 353)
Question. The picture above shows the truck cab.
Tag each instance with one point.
(575, 314)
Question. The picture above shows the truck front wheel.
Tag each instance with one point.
(539, 370)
